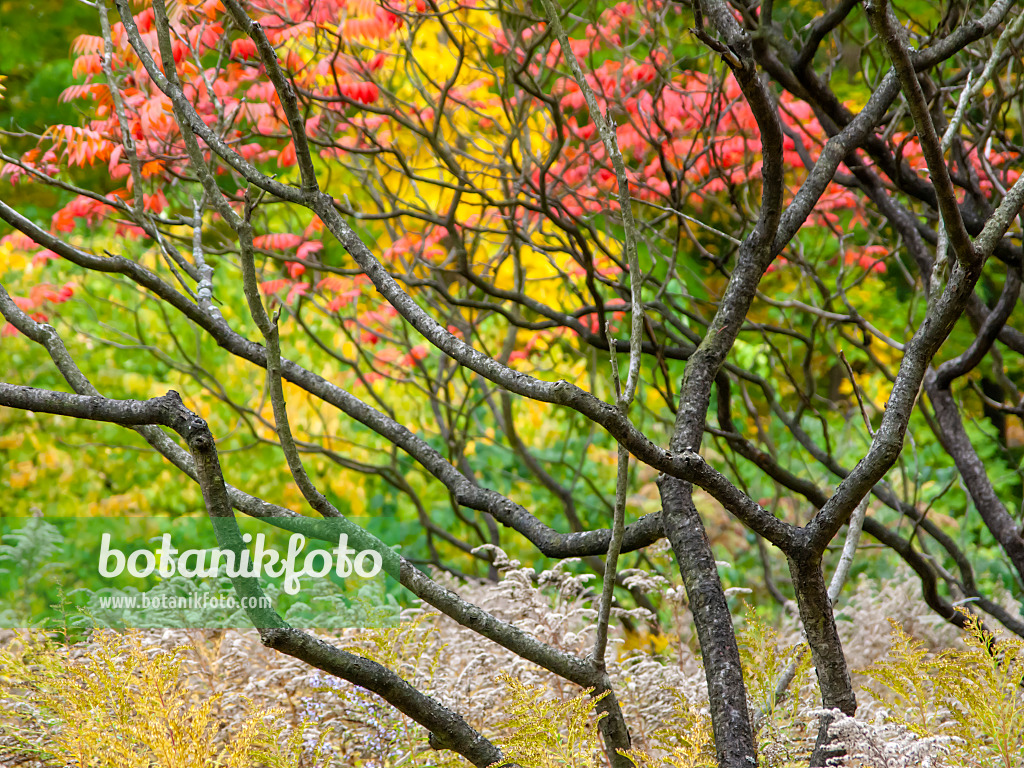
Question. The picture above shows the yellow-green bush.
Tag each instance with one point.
(972, 694)
(118, 703)
(204, 699)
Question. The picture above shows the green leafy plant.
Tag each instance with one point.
(27, 560)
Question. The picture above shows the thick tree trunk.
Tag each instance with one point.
(734, 737)
(826, 648)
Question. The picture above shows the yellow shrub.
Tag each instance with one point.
(974, 694)
(120, 704)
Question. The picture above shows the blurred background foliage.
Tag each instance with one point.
(132, 347)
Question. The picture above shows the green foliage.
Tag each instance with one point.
(29, 554)
(49, 577)
(35, 38)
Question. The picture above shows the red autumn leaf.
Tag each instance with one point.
(243, 48)
(297, 289)
(278, 241)
(287, 157)
(271, 287)
(155, 202)
(309, 247)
